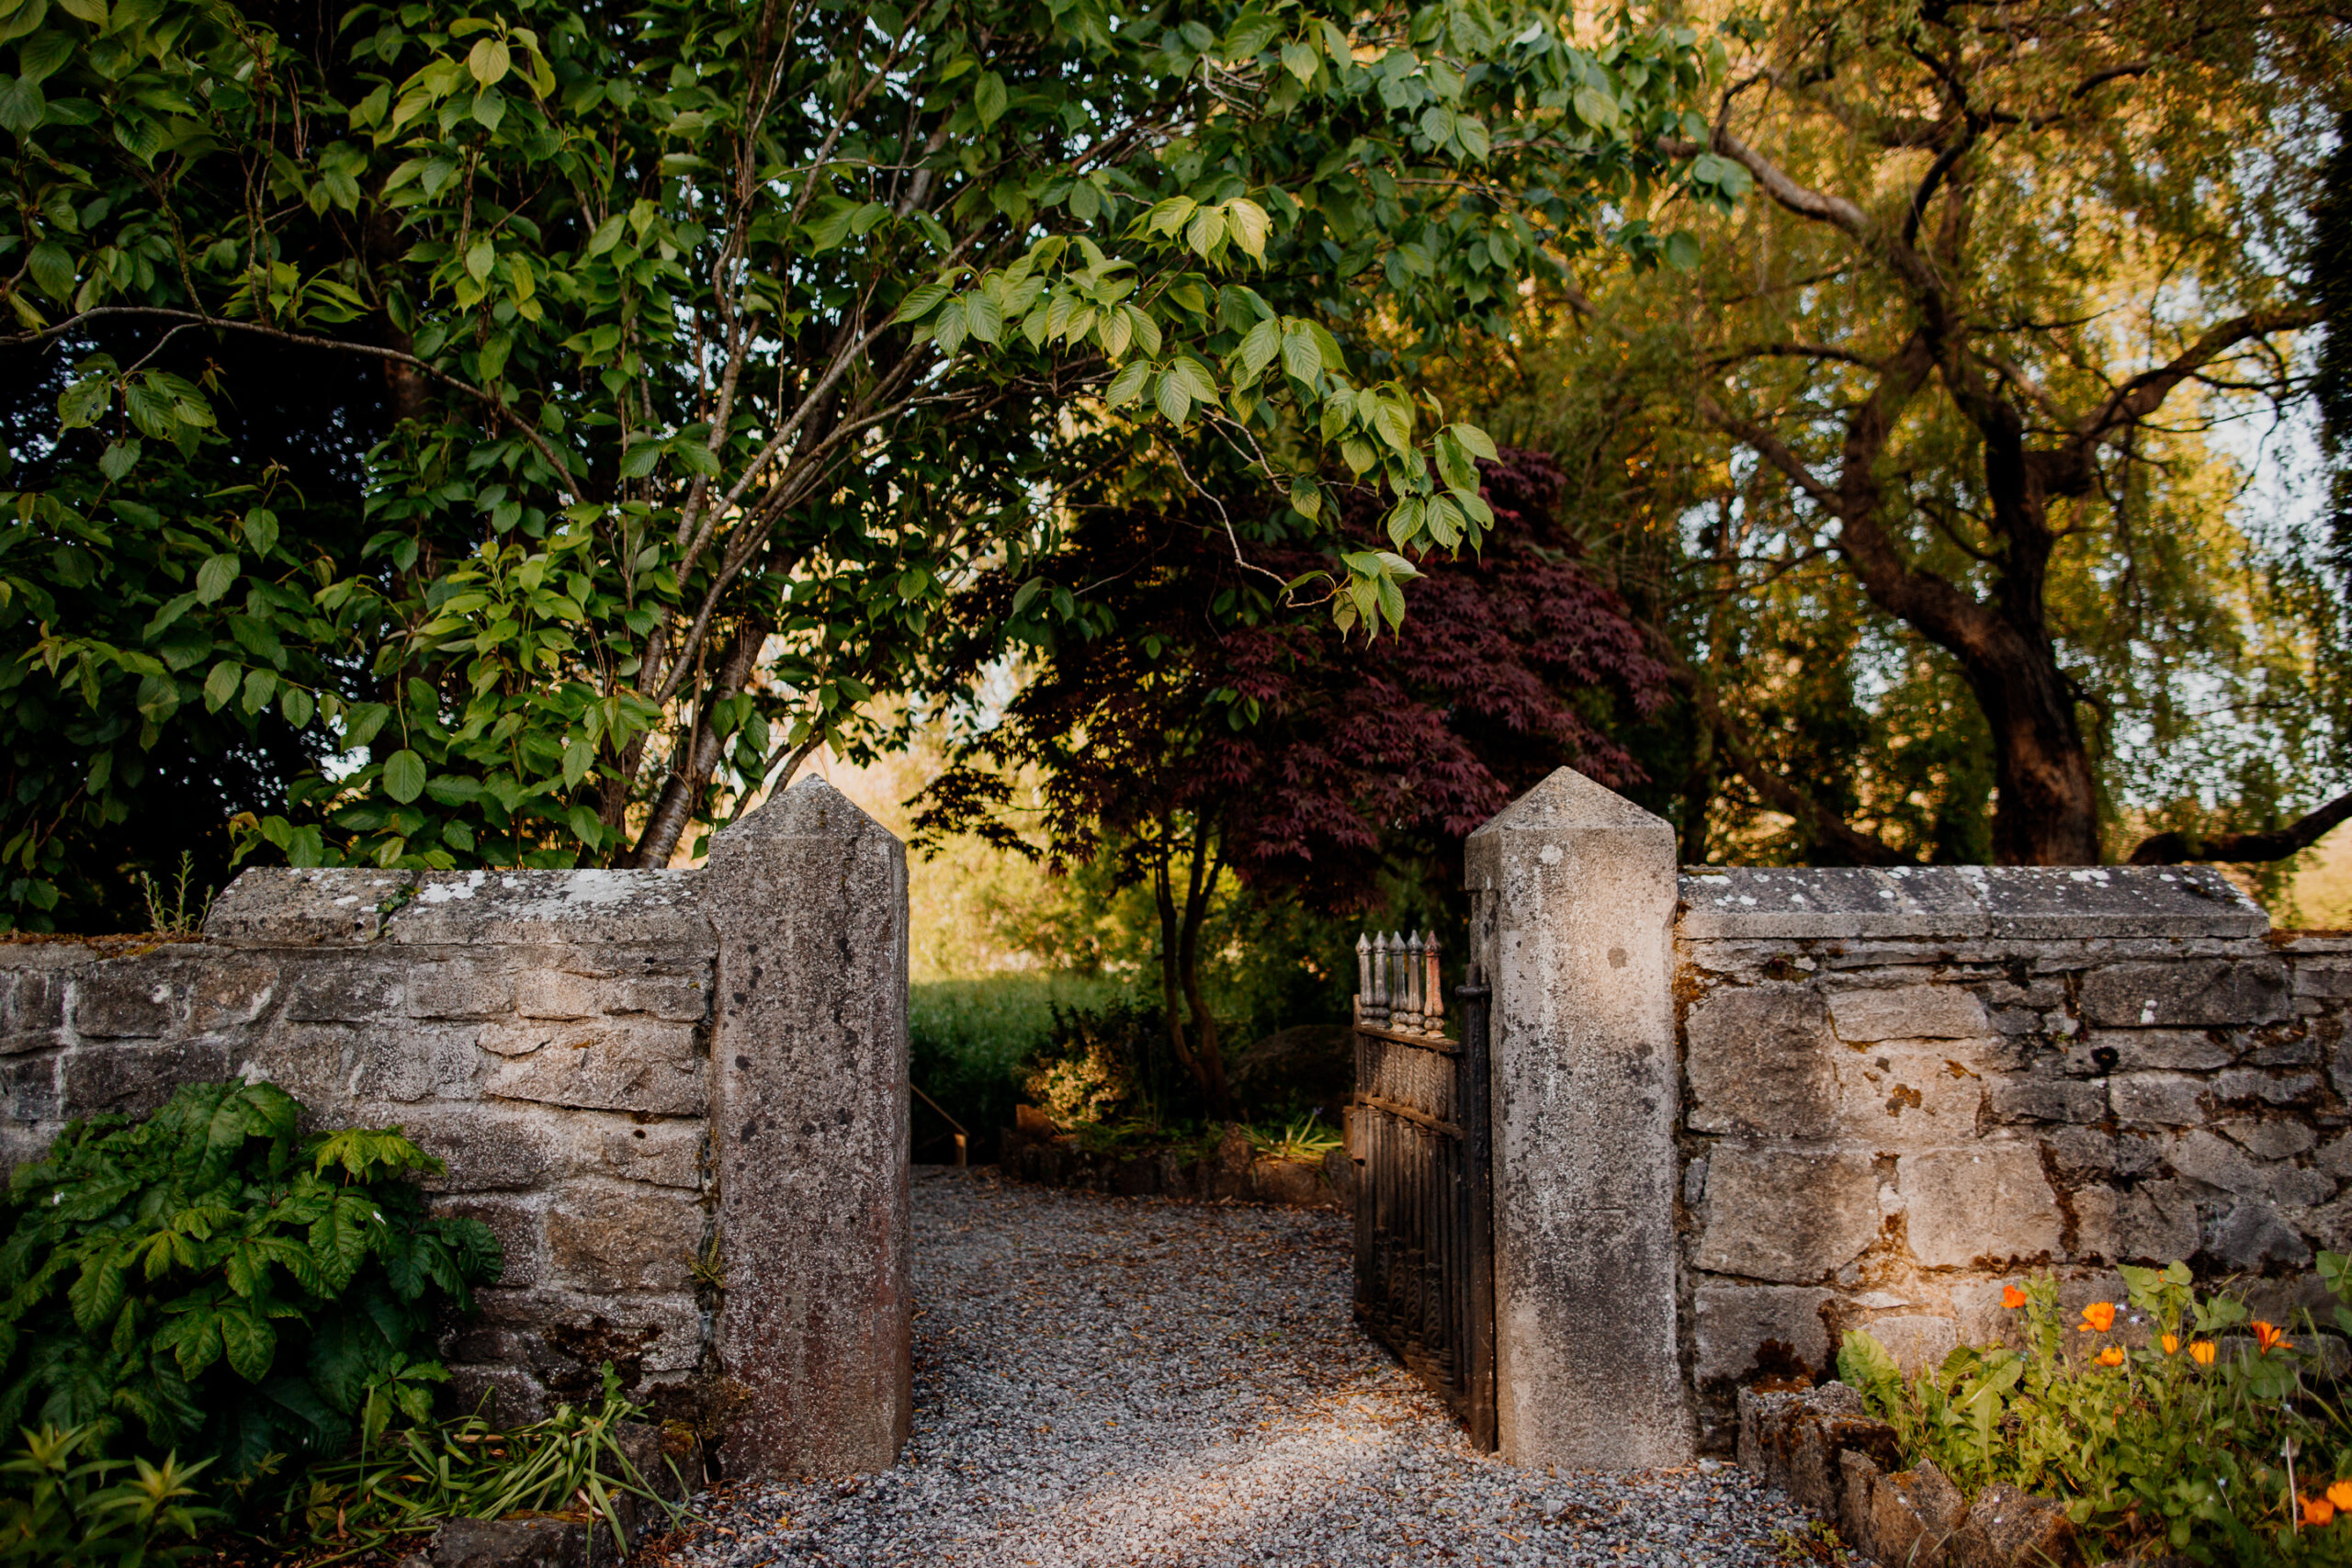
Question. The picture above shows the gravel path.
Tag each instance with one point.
(1104, 1381)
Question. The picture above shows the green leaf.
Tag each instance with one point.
(640, 459)
(988, 98)
(1476, 441)
(1394, 423)
(362, 723)
(52, 266)
(250, 1341)
(1175, 403)
(1301, 358)
(221, 685)
(920, 302)
(1207, 228)
(1298, 59)
(607, 234)
(216, 577)
(1259, 348)
(119, 458)
(577, 756)
(404, 775)
(1682, 251)
(297, 705)
(22, 110)
(1250, 225)
(488, 61)
(44, 53)
(261, 529)
(1128, 383)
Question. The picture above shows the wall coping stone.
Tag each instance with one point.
(329, 907)
(2004, 903)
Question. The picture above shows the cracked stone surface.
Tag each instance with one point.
(1141, 1380)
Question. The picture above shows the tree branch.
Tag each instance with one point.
(2243, 848)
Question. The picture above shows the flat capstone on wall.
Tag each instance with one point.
(727, 1230)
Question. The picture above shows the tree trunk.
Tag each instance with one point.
(682, 798)
(1201, 891)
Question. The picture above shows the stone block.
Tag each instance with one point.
(672, 999)
(487, 1148)
(808, 897)
(2168, 1050)
(285, 907)
(2254, 1236)
(314, 1063)
(2202, 1156)
(667, 1154)
(2037, 1098)
(2269, 1140)
(1918, 1341)
(1759, 1060)
(557, 994)
(1744, 1332)
(129, 999)
(1987, 1202)
(541, 1541)
(2153, 1222)
(610, 1066)
(2009, 1528)
(1786, 1215)
(2295, 1051)
(416, 1060)
(2156, 1100)
(131, 1080)
(228, 990)
(1907, 1095)
(29, 1088)
(2117, 902)
(1905, 1516)
(2077, 1154)
(2198, 993)
(519, 1037)
(32, 1009)
(603, 1241)
(1755, 903)
(2330, 976)
(2256, 1086)
(355, 990)
(461, 989)
(1795, 1440)
(1908, 1012)
(553, 908)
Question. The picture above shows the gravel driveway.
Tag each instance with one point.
(1138, 1381)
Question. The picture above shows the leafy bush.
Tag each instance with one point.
(2224, 1439)
(57, 1507)
(238, 1289)
(971, 1041)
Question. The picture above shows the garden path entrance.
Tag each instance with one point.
(1109, 1380)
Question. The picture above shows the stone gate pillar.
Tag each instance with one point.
(1573, 894)
(809, 1133)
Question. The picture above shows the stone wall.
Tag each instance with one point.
(731, 1238)
(1902, 1087)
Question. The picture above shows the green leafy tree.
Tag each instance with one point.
(723, 339)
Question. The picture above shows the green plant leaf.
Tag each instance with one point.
(404, 775)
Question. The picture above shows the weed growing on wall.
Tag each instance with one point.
(226, 1284)
(2224, 1438)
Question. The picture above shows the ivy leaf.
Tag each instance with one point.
(404, 775)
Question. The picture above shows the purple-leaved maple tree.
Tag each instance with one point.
(1177, 715)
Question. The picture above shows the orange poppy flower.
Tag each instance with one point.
(2201, 1352)
(2268, 1338)
(2318, 1510)
(2171, 1343)
(2111, 1356)
(2341, 1494)
(2011, 1297)
(2098, 1317)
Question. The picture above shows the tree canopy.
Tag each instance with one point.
(714, 342)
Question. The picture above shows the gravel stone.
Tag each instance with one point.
(1113, 1381)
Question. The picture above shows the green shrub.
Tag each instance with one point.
(970, 1041)
(2223, 1440)
(58, 1509)
(235, 1288)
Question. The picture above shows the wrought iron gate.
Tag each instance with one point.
(1425, 1241)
